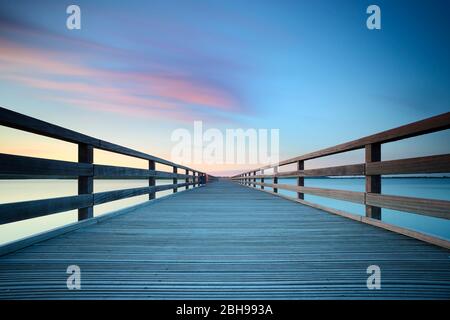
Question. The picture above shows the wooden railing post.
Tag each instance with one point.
(262, 179)
(300, 180)
(187, 179)
(275, 179)
(85, 183)
(254, 179)
(151, 180)
(175, 180)
(373, 182)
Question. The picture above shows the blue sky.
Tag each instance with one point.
(311, 69)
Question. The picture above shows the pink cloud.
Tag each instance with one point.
(181, 89)
(176, 115)
(111, 91)
(101, 93)
(14, 58)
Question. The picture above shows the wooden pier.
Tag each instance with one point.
(243, 244)
(226, 238)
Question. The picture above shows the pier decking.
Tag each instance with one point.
(226, 241)
(236, 238)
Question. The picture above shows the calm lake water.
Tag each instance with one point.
(431, 188)
(23, 190)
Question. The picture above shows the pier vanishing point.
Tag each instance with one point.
(224, 238)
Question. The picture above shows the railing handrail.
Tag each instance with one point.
(421, 127)
(372, 169)
(26, 123)
(15, 166)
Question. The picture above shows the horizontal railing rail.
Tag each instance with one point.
(430, 125)
(26, 123)
(23, 167)
(20, 167)
(372, 170)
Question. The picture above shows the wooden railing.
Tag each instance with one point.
(372, 169)
(17, 167)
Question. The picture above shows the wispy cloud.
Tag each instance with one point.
(74, 79)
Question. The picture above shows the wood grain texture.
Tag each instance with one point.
(175, 180)
(26, 123)
(108, 196)
(380, 224)
(11, 212)
(12, 119)
(17, 211)
(114, 172)
(348, 170)
(151, 180)
(19, 167)
(85, 183)
(422, 206)
(224, 241)
(373, 182)
(430, 164)
(352, 196)
(427, 207)
(429, 125)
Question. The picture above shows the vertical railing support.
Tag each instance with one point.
(300, 180)
(275, 179)
(85, 183)
(175, 180)
(151, 180)
(262, 179)
(254, 179)
(373, 182)
(187, 179)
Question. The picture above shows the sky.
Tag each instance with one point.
(138, 70)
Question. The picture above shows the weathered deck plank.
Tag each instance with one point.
(230, 242)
